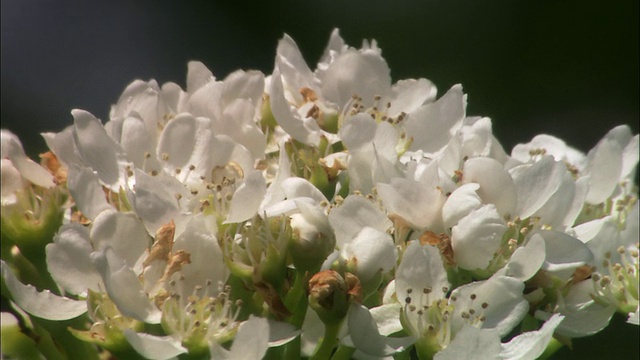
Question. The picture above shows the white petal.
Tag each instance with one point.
(207, 263)
(374, 251)
(366, 337)
(421, 268)
(275, 191)
(85, 189)
(460, 203)
(140, 97)
(281, 333)
(153, 202)
(530, 345)
(564, 252)
(604, 168)
(496, 186)
(352, 215)
(358, 131)
(243, 85)
(237, 122)
(136, 140)
(583, 316)
(11, 181)
(408, 95)
(364, 73)
(123, 232)
(41, 304)
(12, 149)
(198, 75)
(177, 141)
(124, 288)
(33, 172)
(202, 155)
(551, 146)
(505, 308)
(227, 150)
(69, 261)
(476, 237)
(476, 137)
(295, 187)
(472, 343)
(63, 146)
(433, 124)
(98, 150)
(288, 118)
(174, 98)
(419, 204)
(247, 198)
(154, 347)
(252, 339)
(294, 69)
(527, 260)
(387, 318)
(630, 157)
(336, 45)
(536, 184)
(206, 100)
(287, 207)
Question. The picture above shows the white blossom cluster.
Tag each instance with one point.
(312, 213)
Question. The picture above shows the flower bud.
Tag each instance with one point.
(312, 239)
(330, 294)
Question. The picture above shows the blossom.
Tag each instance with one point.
(321, 212)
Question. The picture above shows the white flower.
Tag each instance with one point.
(12, 151)
(474, 343)
(614, 243)
(434, 319)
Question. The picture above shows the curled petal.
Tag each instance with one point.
(42, 304)
(154, 347)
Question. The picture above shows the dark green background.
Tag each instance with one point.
(567, 68)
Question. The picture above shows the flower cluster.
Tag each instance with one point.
(321, 213)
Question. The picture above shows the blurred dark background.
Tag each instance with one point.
(566, 68)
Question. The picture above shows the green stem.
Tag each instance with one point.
(72, 347)
(343, 353)
(328, 343)
(292, 301)
(296, 302)
(552, 348)
(292, 349)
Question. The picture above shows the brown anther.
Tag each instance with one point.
(176, 261)
(308, 95)
(314, 112)
(163, 244)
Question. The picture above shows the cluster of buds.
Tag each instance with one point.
(311, 213)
